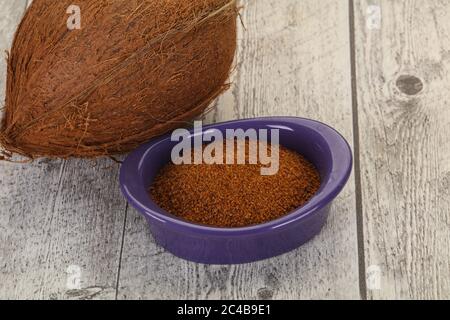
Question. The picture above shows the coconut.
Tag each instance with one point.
(134, 70)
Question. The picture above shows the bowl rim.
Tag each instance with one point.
(339, 148)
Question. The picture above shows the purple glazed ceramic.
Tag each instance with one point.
(319, 143)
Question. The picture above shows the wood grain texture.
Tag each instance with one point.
(57, 216)
(59, 220)
(293, 59)
(404, 130)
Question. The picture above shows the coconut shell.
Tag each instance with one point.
(136, 69)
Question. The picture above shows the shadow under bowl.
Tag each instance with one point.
(317, 142)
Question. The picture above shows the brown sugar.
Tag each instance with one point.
(235, 195)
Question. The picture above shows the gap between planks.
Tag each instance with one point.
(357, 160)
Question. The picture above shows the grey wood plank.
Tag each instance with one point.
(294, 59)
(61, 222)
(403, 71)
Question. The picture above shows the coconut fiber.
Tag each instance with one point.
(135, 69)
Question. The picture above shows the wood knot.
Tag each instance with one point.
(265, 294)
(409, 85)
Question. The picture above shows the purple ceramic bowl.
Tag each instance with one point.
(319, 143)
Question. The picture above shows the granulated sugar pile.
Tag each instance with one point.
(235, 195)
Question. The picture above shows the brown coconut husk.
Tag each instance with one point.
(136, 69)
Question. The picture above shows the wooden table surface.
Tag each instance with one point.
(377, 70)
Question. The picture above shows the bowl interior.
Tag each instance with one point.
(318, 143)
(303, 140)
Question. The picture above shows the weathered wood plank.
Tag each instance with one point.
(403, 72)
(294, 59)
(61, 222)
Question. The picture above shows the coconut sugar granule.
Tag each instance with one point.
(235, 195)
